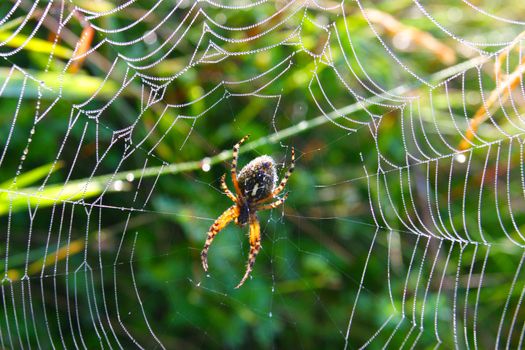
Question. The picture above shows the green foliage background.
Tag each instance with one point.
(309, 273)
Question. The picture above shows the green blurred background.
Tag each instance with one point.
(109, 176)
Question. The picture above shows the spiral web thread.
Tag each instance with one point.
(446, 273)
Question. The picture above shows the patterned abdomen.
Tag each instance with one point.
(258, 178)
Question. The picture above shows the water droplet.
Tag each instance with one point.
(302, 125)
(461, 158)
(118, 185)
(150, 38)
(206, 164)
(402, 40)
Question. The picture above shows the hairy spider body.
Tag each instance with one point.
(254, 187)
(257, 180)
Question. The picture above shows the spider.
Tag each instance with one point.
(254, 188)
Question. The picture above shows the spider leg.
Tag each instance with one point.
(286, 176)
(255, 247)
(273, 204)
(229, 214)
(226, 190)
(234, 164)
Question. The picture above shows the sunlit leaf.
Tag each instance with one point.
(53, 194)
(94, 6)
(32, 176)
(36, 45)
(69, 86)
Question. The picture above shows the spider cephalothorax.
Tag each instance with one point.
(254, 187)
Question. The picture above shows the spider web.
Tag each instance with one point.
(406, 234)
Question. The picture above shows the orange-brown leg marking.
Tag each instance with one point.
(273, 204)
(255, 246)
(234, 164)
(230, 214)
(286, 176)
(226, 190)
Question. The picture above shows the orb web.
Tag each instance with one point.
(427, 248)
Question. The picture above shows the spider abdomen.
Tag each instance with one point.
(258, 178)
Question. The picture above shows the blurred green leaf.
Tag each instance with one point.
(12, 24)
(35, 44)
(95, 6)
(71, 86)
(52, 194)
(31, 176)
